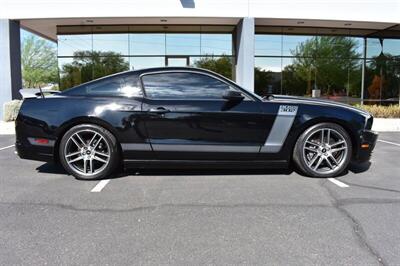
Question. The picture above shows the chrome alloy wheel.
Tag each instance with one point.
(87, 152)
(325, 151)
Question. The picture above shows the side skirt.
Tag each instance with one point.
(201, 164)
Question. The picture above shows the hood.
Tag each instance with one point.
(315, 101)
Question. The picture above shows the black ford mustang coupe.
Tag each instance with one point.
(188, 117)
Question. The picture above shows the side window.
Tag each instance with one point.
(131, 87)
(108, 86)
(183, 85)
(126, 85)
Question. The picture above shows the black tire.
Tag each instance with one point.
(300, 159)
(107, 140)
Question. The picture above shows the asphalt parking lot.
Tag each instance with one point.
(208, 217)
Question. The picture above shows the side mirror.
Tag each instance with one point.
(231, 95)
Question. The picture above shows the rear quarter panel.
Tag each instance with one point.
(51, 117)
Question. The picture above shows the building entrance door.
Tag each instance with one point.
(177, 61)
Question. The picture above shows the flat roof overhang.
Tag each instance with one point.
(48, 27)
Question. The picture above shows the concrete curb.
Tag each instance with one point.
(7, 128)
(386, 124)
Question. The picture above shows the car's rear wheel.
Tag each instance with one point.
(323, 150)
(89, 152)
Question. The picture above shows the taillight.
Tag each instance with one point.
(41, 141)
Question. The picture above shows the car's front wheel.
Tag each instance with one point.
(89, 152)
(323, 150)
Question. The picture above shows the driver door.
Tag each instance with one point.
(188, 118)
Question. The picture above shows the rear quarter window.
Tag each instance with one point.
(121, 85)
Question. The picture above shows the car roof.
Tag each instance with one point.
(141, 71)
(160, 69)
(151, 70)
(146, 70)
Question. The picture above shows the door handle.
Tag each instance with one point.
(159, 110)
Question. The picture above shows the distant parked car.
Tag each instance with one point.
(180, 117)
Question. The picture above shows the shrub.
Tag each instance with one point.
(391, 111)
(11, 109)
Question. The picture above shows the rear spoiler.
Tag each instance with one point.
(36, 93)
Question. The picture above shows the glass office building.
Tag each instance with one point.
(345, 51)
(104, 50)
(345, 68)
(339, 65)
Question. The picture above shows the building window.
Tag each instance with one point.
(142, 44)
(382, 72)
(68, 45)
(100, 52)
(298, 64)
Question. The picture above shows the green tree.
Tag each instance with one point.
(88, 65)
(262, 81)
(38, 62)
(221, 65)
(383, 77)
(292, 82)
(327, 62)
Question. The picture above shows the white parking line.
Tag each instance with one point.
(99, 187)
(389, 142)
(7, 147)
(337, 182)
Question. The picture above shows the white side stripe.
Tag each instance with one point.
(338, 183)
(136, 146)
(205, 148)
(389, 142)
(280, 129)
(7, 147)
(99, 187)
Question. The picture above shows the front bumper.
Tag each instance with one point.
(366, 145)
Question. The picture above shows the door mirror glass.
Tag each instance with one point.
(231, 95)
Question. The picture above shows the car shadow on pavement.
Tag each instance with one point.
(202, 172)
(358, 168)
(354, 167)
(51, 168)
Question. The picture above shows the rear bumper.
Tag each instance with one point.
(25, 145)
(34, 152)
(366, 145)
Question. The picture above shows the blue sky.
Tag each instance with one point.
(25, 34)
